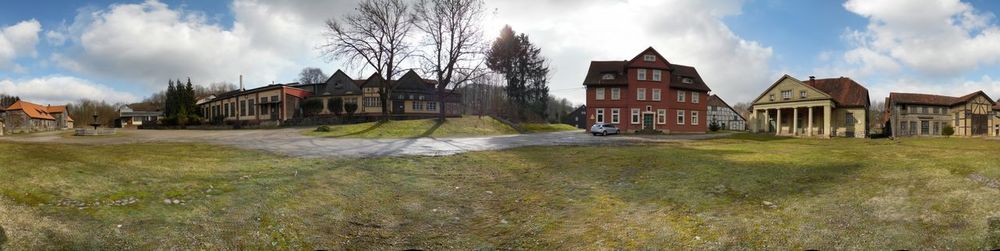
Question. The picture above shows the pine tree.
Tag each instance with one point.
(171, 102)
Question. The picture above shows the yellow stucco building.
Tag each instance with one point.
(833, 107)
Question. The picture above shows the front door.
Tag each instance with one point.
(979, 124)
(398, 106)
(647, 121)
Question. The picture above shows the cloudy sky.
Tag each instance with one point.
(121, 51)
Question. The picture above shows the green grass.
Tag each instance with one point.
(921, 193)
(452, 127)
(538, 127)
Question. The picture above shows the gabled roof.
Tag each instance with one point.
(340, 84)
(931, 99)
(844, 91)
(715, 100)
(32, 110)
(411, 81)
(650, 50)
(374, 80)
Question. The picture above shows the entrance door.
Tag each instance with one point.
(979, 124)
(647, 121)
(398, 106)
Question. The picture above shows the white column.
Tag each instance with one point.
(795, 121)
(809, 131)
(826, 121)
(767, 120)
(777, 125)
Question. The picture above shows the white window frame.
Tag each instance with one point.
(786, 97)
(680, 96)
(695, 97)
(640, 93)
(608, 76)
(649, 58)
(694, 117)
(657, 75)
(616, 115)
(635, 116)
(599, 94)
(640, 74)
(661, 116)
(599, 115)
(656, 94)
(680, 117)
(616, 94)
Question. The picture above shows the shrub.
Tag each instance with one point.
(947, 131)
(336, 105)
(312, 107)
(714, 127)
(323, 128)
(350, 108)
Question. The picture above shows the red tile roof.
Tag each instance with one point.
(930, 99)
(844, 91)
(32, 110)
(595, 75)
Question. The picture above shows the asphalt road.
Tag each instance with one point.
(290, 141)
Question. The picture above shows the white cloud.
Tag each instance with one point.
(150, 42)
(18, 40)
(573, 33)
(55, 38)
(947, 38)
(58, 90)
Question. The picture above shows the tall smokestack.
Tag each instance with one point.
(241, 82)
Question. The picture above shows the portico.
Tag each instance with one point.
(823, 108)
(809, 119)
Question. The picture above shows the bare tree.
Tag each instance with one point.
(377, 35)
(454, 46)
(310, 75)
(876, 121)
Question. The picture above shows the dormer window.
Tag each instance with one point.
(649, 58)
(608, 76)
(687, 80)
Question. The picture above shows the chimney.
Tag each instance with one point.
(241, 83)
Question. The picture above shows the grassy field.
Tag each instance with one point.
(537, 128)
(452, 127)
(745, 192)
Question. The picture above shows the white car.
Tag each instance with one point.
(603, 129)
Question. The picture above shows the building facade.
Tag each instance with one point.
(915, 114)
(412, 96)
(833, 107)
(138, 114)
(577, 118)
(268, 105)
(720, 113)
(26, 117)
(646, 93)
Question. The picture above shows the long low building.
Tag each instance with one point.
(917, 114)
(412, 96)
(267, 105)
(26, 117)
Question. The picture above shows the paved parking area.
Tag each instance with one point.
(290, 141)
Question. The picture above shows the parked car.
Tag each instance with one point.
(603, 129)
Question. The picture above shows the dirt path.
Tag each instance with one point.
(291, 142)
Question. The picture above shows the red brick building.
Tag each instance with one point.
(646, 93)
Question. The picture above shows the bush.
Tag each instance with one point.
(323, 128)
(312, 107)
(947, 131)
(714, 127)
(336, 105)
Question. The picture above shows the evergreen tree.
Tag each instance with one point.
(171, 102)
(525, 71)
